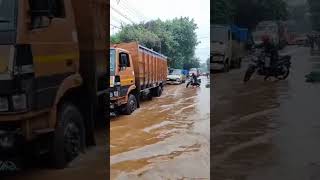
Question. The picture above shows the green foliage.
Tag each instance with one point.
(314, 6)
(174, 38)
(247, 13)
(222, 11)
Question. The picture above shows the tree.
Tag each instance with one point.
(247, 13)
(174, 38)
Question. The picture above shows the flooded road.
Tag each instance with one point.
(90, 165)
(167, 138)
(267, 129)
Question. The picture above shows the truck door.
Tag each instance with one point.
(126, 72)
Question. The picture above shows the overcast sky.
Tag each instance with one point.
(129, 11)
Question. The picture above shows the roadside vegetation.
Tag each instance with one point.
(174, 38)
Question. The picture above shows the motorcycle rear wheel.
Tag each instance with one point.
(285, 73)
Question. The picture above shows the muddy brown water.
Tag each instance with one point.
(167, 138)
(267, 129)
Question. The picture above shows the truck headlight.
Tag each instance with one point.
(19, 102)
(4, 104)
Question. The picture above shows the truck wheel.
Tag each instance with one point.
(131, 105)
(69, 136)
(157, 91)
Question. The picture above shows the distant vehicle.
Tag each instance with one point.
(176, 76)
(225, 50)
(300, 40)
(195, 71)
(185, 72)
(276, 31)
(291, 28)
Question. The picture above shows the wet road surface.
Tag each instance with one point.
(90, 165)
(167, 138)
(267, 130)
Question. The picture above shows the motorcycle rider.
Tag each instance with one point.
(194, 80)
(270, 50)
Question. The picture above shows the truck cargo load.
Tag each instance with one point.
(150, 67)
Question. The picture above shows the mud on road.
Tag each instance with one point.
(267, 129)
(167, 138)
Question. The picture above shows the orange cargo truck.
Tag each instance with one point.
(135, 72)
(51, 53)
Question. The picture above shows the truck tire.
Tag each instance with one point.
(69, 136)
(157, 91)
(131, 105)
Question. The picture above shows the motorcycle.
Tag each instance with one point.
(281, 69)
(192, 83)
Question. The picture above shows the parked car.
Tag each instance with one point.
(176, 76)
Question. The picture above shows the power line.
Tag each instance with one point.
(121, 14)
(117, 20)
(131, 11)
(135, 10)
(115, 26)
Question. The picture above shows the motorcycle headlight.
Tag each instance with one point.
(19, 102)
(4, 104)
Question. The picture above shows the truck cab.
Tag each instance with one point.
(122, 77)
(221, 47)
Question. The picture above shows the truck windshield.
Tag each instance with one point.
(7, 15)
(112, 61)
(219, 34)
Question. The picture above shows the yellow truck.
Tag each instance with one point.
(135, 72)
(52, 76)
